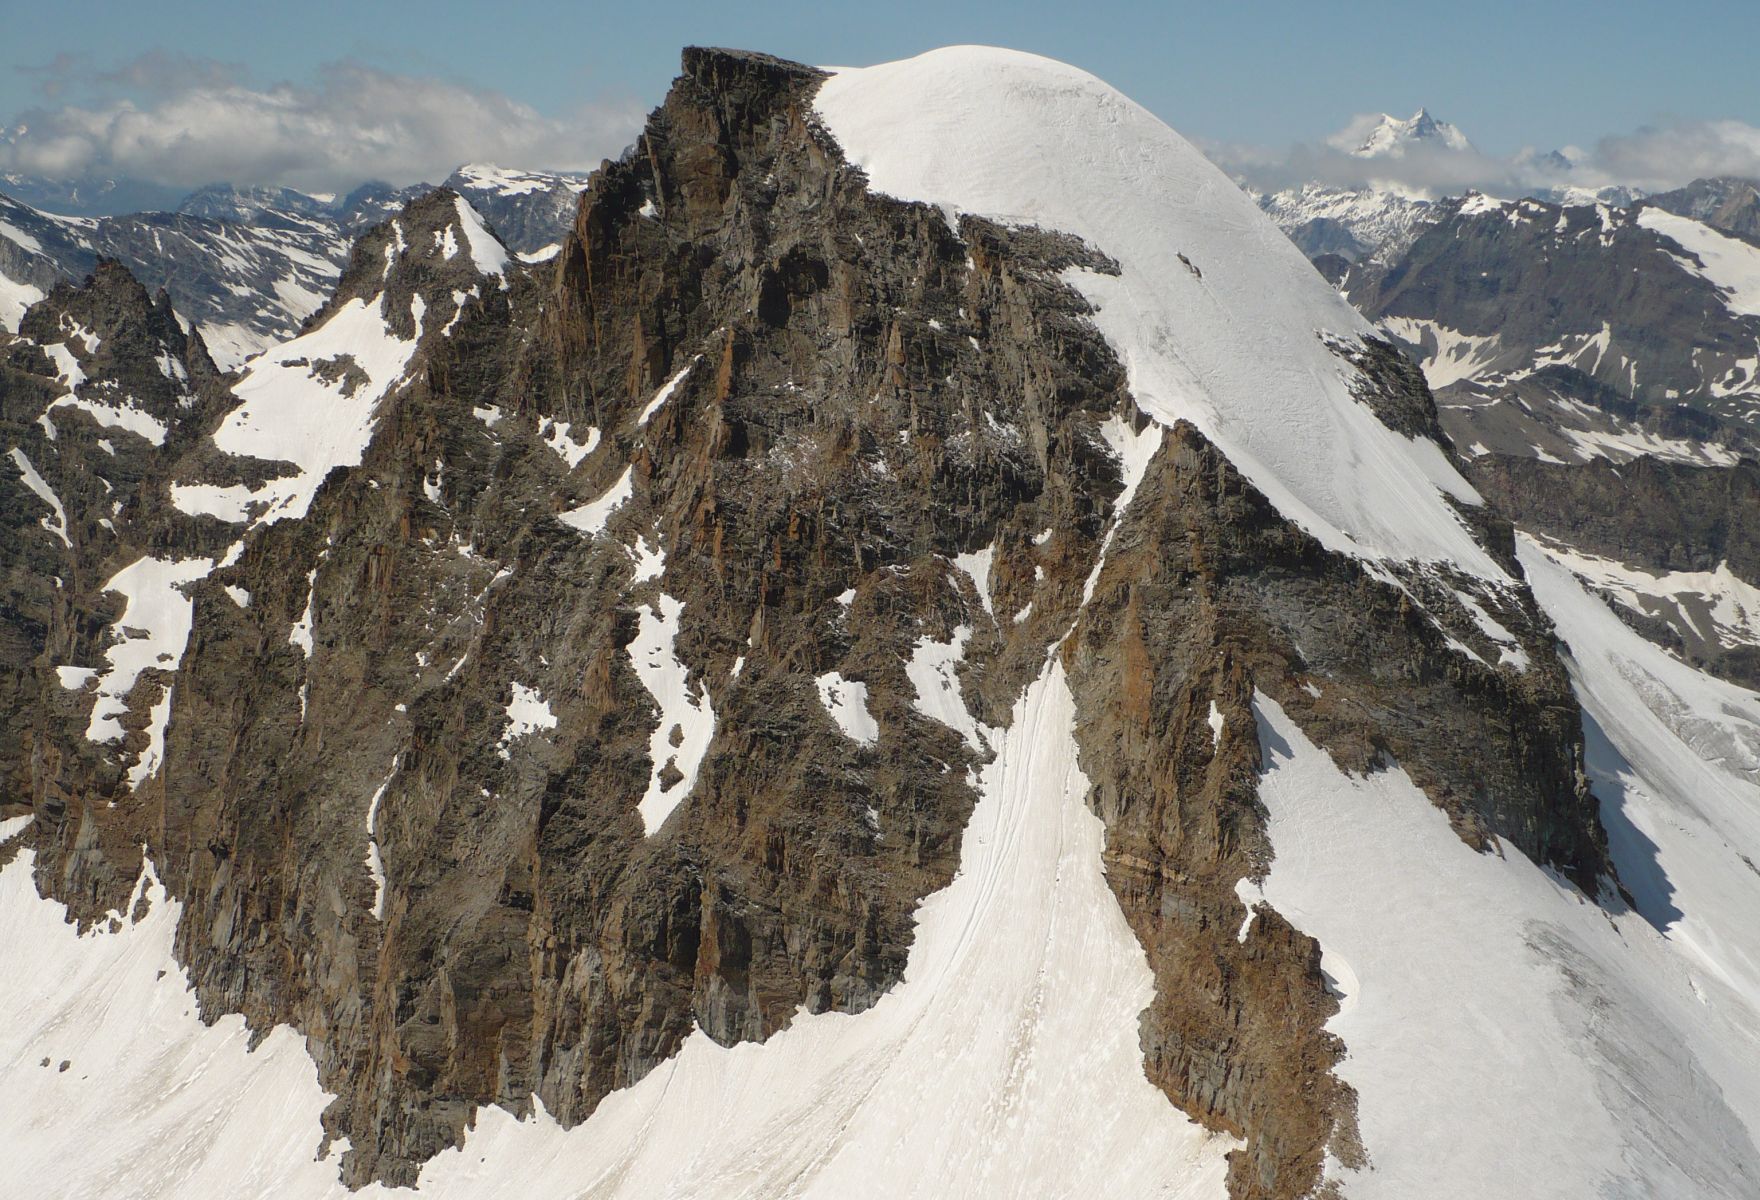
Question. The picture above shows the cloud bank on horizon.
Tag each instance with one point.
(1650, 159)
(185, 122)
(181, 121)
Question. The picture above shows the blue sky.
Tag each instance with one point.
(1267, 73)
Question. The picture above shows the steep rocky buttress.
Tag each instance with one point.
(558, 689)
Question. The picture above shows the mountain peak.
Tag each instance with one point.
(1385, 136)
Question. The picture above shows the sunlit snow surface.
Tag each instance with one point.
(590, 517)
(152, 1104)
(847, 702)
(289, 412)
(527, 713)
(1729, 263)
(152, 632)
(934, 673)
(1230, 342)
(39, 487)
(688, 717)
(487, 253)
(15, 298)
(1676, 752)
(1505, 1036)
(117, 416)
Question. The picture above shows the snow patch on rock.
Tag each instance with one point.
(847, 702)
(687, 720)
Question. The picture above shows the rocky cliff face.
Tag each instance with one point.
(609, 682)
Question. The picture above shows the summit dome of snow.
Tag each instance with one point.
(1384, 136)
(1218, 318)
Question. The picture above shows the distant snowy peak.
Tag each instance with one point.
(1573, 195)
(504, 182)
(530, 210)
(1384, 136)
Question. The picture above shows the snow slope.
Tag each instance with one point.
(39, 487)
(151, 633)
(847, 703)
(1729, 263)
(692, 717)
(151, 1103)
(291, 412)
(1006, 1063)
(1505, 1036)
(1230, 342)
(15, 297)
(1675, 756)
(1719, 606)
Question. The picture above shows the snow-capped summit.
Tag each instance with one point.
(1384, 136)
(1221, 320)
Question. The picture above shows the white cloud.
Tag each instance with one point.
(1355, 131)
(1649, 159)
(190, 122)
(1660, 158)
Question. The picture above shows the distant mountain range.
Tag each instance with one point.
(90, 197)
(247, 265)
(1595, 358)
(1563, 321)
(1381, 215)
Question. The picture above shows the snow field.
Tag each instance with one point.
(288, 414)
